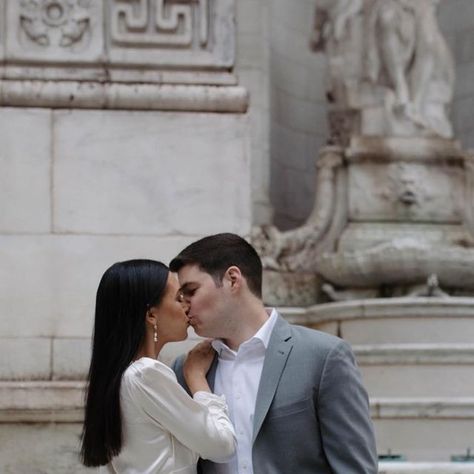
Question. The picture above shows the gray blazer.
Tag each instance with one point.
(312, 411)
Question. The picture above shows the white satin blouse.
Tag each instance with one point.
(165, 431)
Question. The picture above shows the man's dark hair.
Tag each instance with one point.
(216, 253)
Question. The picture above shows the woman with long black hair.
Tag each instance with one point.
(138, 419)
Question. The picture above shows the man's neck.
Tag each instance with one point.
(247, 327)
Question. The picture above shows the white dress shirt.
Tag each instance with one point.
(165, 431)
(237, 378)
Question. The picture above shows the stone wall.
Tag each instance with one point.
(85, 188)
(298, 110)
(116, 143)
(457, 23)
(252, 65)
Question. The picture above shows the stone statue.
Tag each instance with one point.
(333, 33)
(390, 87)
(331, 20)
(388, 64)
(407, 53)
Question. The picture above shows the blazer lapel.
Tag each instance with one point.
(277, 353)
(211, 373)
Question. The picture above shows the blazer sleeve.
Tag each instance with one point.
(201, 423)
(343, 408)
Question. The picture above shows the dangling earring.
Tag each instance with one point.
(155, 334)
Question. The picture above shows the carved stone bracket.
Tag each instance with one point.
(296, 249)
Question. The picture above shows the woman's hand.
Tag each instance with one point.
(197, 364)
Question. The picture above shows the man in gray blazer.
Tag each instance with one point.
(295, 395)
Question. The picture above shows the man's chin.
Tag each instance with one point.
(200, 331)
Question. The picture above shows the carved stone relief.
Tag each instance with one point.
(55, 22)
(171, 33)
(177, 41)
(405, 192)
(54, 30)
(159, 23)
(389, 61)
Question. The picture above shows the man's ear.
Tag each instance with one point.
(233, 276)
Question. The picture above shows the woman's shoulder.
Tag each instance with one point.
(145, 368)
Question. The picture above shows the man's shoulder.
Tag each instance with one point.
(177, 364)
(315, 338)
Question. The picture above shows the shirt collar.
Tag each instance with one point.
(262, 335)
(265, 332)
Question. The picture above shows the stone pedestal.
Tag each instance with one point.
(289, 288)
(407, 215)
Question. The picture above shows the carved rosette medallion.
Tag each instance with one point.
(55, 23)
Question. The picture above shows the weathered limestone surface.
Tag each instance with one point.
(253, 66)
(52, 448)
(25, 180)
(60, 274)
(99, 175)
(25, 358)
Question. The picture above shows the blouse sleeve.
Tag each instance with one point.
(201, 423)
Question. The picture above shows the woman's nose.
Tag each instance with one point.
(186, 305)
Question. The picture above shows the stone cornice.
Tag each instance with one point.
(409, 354)
(404, 148)
(41, 401)
(105, 95)
(377, 308)
(433, 408)
(425, 468)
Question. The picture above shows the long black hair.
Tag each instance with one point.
(126, 291)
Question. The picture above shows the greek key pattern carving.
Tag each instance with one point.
(57, 23)
(160, 23)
